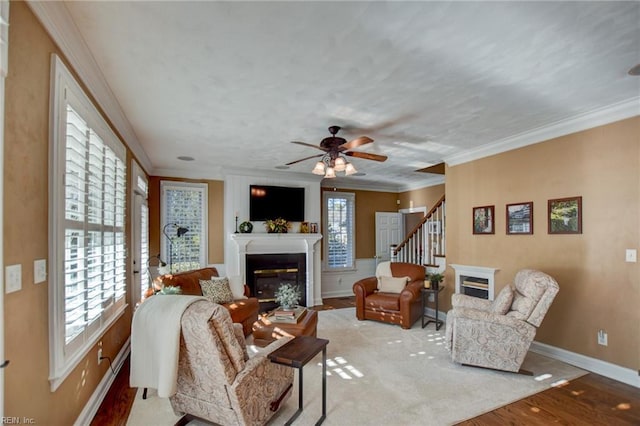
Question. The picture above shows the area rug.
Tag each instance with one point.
(381, 374)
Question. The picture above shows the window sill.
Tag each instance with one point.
(339, 271)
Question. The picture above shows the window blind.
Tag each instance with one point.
(339, 227)
(185, 204)
(94, 261)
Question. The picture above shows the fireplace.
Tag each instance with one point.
(265, 273)
(291, 243)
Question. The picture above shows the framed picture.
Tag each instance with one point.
(483, 218)
(313, 228)
(565, 215)
(520, 218)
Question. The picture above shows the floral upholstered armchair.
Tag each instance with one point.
(217, 381)
(497, 334)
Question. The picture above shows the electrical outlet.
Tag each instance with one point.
(602, 338)
(99, 353)
(631, 256)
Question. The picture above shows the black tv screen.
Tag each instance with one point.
(272, 202)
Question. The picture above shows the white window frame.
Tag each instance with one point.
(140, 188)
(351, 203)
(64, 357)
(204, 240)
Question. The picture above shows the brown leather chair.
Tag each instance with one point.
(402, 308)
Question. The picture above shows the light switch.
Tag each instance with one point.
(13, 278)
(39, 271)
(631, 255)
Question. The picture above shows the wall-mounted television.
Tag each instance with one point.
(271, 202)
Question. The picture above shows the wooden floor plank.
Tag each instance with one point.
(588, 400)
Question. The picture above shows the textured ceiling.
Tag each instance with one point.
(233, 83)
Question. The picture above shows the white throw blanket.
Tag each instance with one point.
(155, 342)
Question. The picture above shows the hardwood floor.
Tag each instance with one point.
(588, 400)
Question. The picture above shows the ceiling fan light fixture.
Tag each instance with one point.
(339, 164)
(350, 169)
(318, 169)
(330, 173)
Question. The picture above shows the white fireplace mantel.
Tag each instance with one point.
(264, 243)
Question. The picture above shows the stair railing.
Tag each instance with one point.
(426, 240)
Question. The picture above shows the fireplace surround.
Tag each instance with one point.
(293, 243)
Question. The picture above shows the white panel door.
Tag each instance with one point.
(388, 232)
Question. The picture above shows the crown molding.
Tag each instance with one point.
(56, 20)
(601, 116)
(437, 180)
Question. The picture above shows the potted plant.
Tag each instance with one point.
(435, 279)
(287, 296)
(277, 226)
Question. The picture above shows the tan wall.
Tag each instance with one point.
(27, 392)
(215, 197)
(598, 289)
(424, 197)
(367, 204)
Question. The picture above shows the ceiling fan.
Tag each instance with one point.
(335, 148)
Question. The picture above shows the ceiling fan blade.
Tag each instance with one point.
(308, 144)
(304, 159)
(362, 140)
(366, 155)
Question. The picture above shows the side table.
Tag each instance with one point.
(296, 354)
(426, 292)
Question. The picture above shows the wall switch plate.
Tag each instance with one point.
(39, 271)
(631, 255)
(602, 338)
(13, 278)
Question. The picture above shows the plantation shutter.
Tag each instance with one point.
(94, 259)
(339, 227)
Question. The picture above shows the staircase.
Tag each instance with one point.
(425, 244)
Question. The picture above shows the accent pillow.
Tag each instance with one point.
(392, 284)
(502, 303)
(217, 290)
(521, 307)
(237, 287)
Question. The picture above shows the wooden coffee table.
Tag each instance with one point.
(296, 354)
(266, 330)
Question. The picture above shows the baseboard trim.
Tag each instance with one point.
(612, 371)
(333, 294)
(91, 408)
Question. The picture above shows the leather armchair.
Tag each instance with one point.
(217, 380)
(402, 308)
(497, 334)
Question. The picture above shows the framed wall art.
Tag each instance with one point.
(520, 218)
(483, 220)
(565, 215)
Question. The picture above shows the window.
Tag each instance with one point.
(339, 245)
(87, 222)
(139, 253)
(184, 205)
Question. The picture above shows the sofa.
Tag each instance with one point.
(243, 311)
(403, 307)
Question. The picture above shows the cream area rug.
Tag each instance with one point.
(381, 374)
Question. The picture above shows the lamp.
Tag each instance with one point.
(180, 231)
(333, 162)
